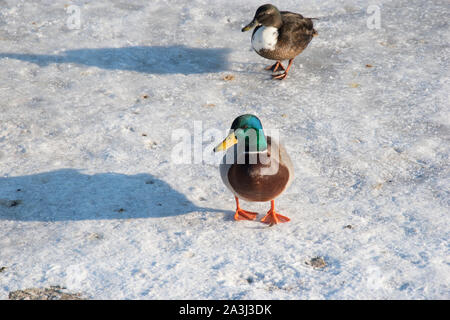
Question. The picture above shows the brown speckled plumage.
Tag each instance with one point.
(295, 32)
(294, 35)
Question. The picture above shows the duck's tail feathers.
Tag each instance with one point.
(315, 33)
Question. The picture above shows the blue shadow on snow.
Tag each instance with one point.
(68, 195)
(145, 59)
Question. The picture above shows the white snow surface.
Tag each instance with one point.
(91, 199)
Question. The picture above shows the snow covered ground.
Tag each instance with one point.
(92, 200)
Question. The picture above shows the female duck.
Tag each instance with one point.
(280, 36)
(256, 168)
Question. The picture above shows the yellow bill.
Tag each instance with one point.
(250, 26)
(229, 141)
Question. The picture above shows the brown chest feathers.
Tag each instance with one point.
(263, 180)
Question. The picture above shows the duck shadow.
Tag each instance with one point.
(145, 59)
(68, 195)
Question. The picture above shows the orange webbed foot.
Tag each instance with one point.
(280, 76)
(283, 75)
(272, 217)
(275, 67)
(244, 215)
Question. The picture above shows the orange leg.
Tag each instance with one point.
(275, 67)
(283, 75)
(273, 217)
(242, 214)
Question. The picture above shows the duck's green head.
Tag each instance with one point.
(246, 128)
(266, 15)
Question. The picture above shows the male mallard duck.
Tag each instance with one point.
(280, 36)
(256, 169)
